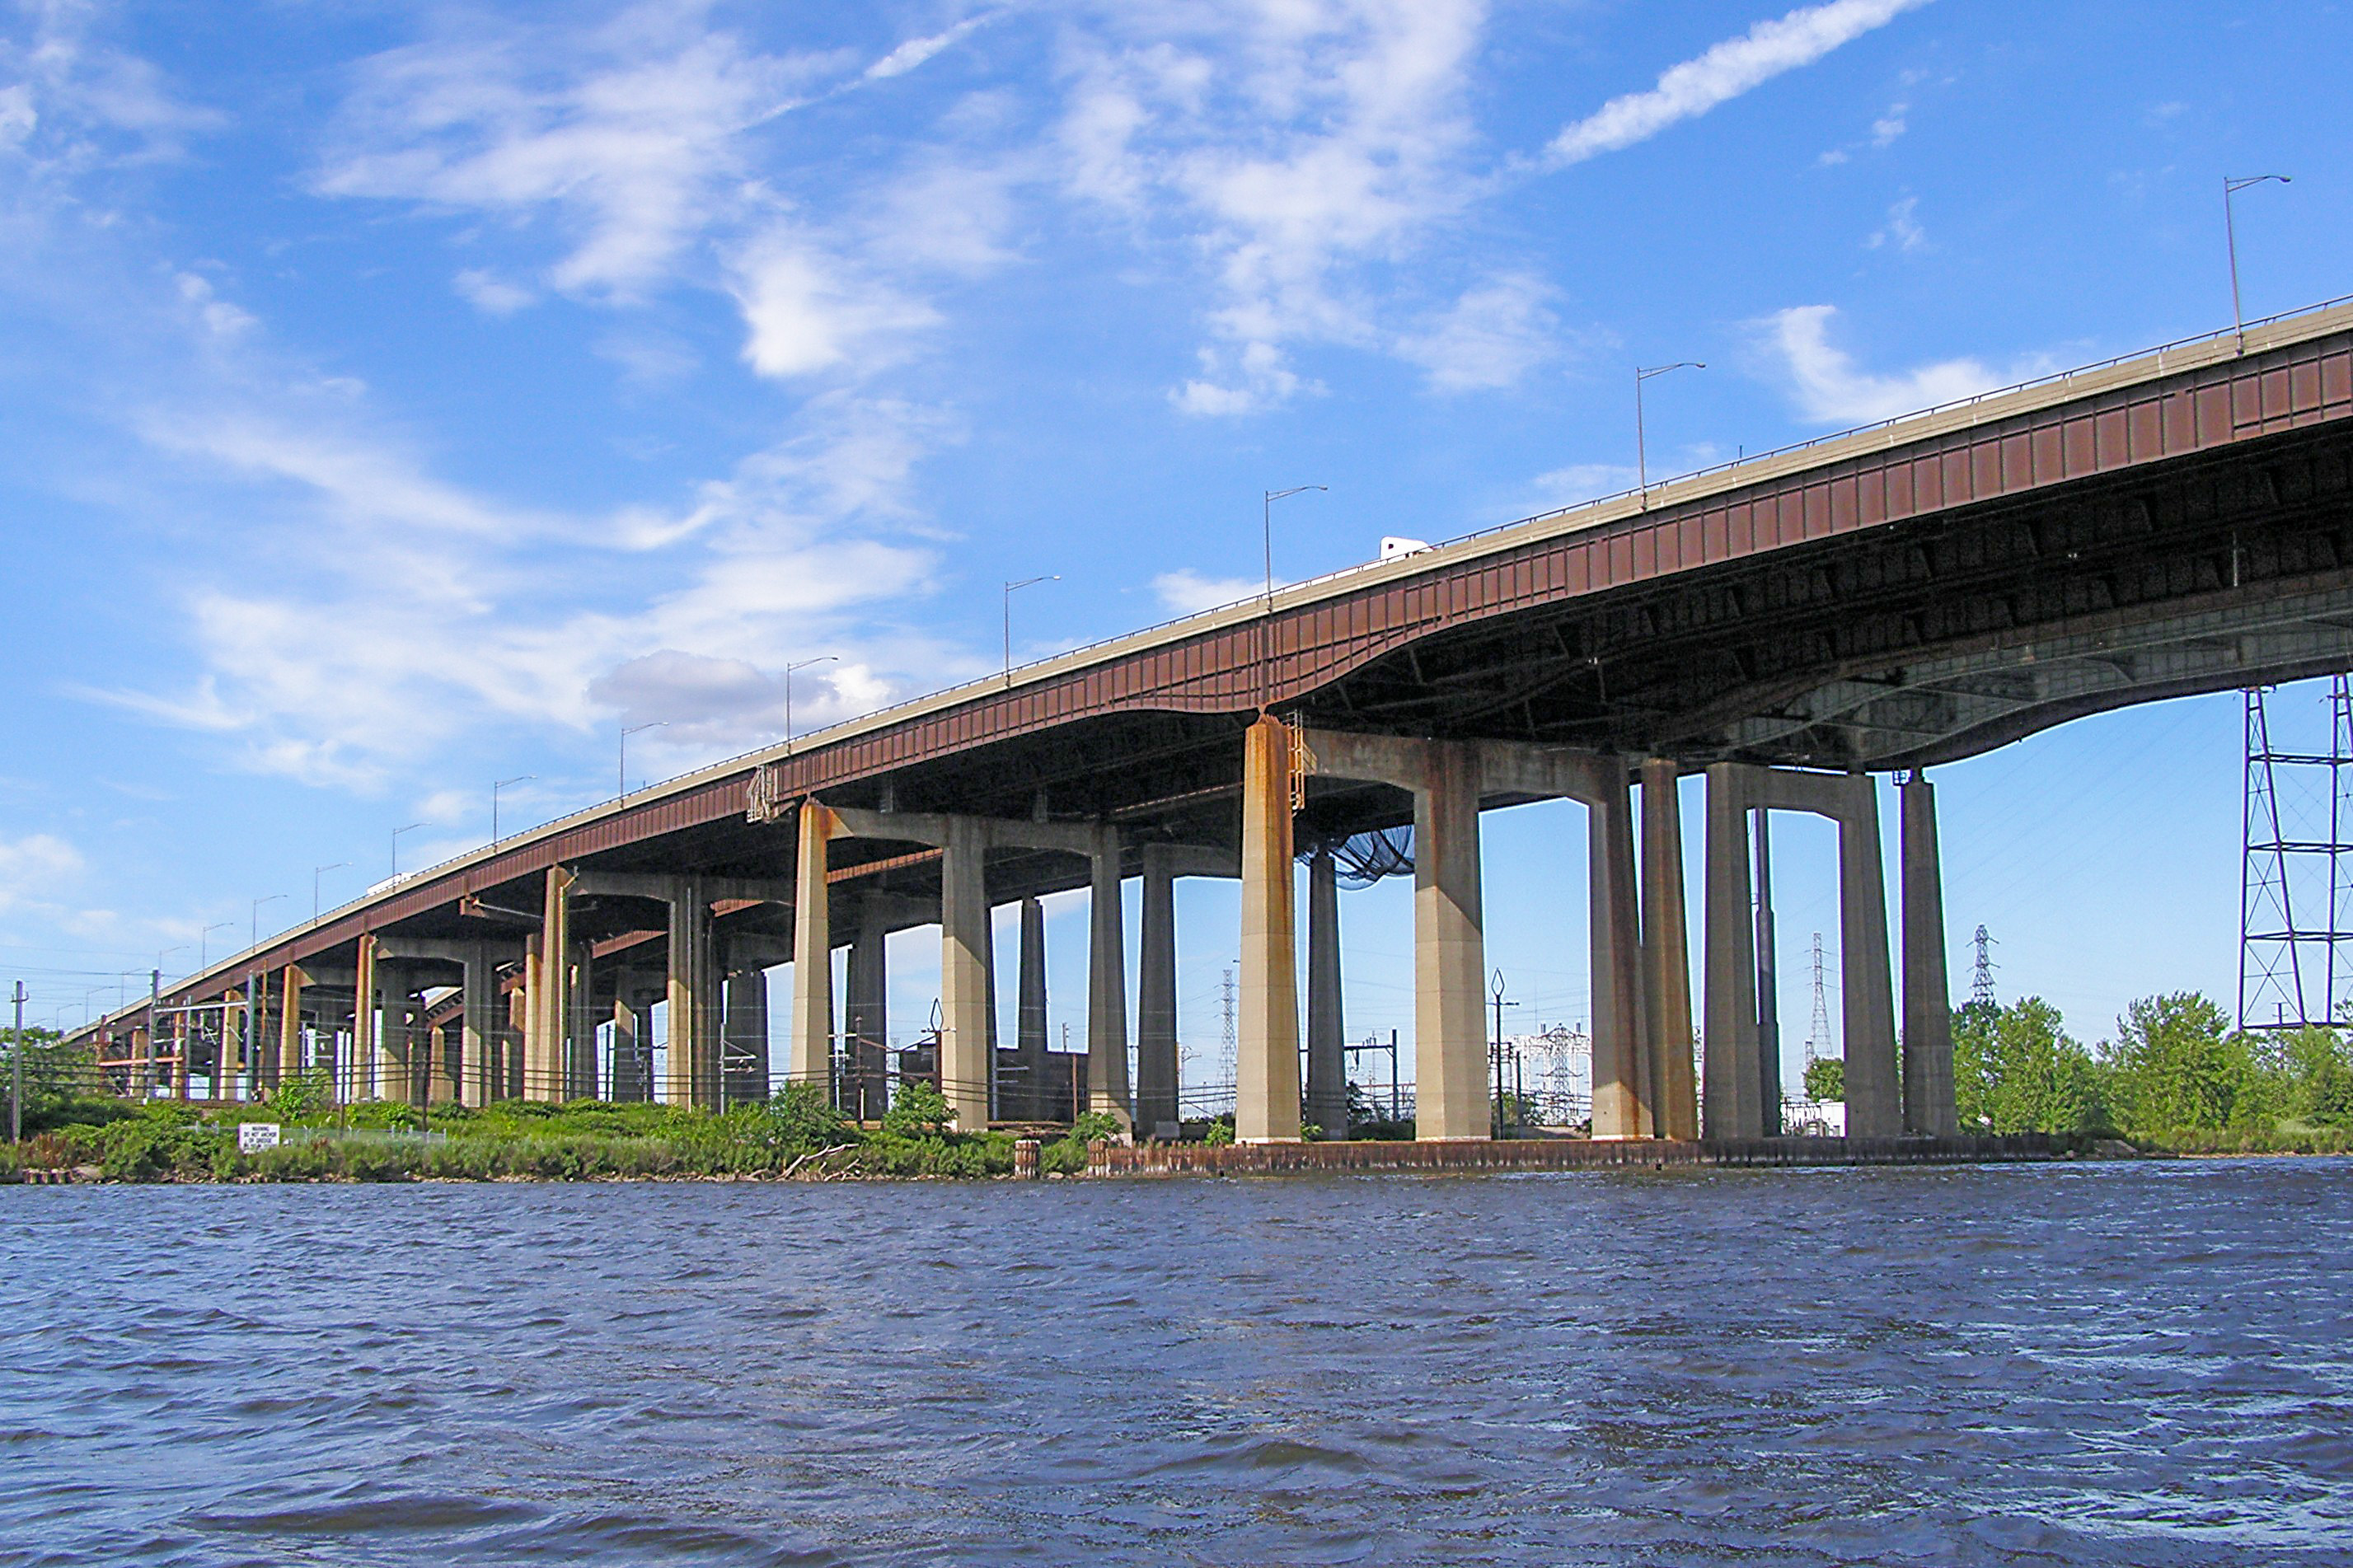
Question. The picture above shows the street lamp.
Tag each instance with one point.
(1496, 987)
(1642, 450)
(396, 844)
(1009, 587)
(1266, 529)
(203, 950)
(255, 938)
(163, 953)
(2232, 186)
(315, 872)
(501, 783)
(623, 773)
(799, 664)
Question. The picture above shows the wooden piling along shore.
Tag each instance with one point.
(1438, 1157)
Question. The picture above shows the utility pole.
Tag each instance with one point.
(16, 1074)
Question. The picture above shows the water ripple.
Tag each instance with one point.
(2142, 1364)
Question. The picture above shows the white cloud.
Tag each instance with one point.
(916, 51)
(1492, 337)
(806, 313)
(1722, 73)
(35, 869)
(1830, 388)
(631, 134)
(1293, 143)
(1231, 383)
(1903, 231)
(1583, 482)
(1188, 592)
(490, 294)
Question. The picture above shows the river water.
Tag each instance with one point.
(2128, 1364)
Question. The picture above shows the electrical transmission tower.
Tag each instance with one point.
(2296, 942)
(1228, 1066)
(1818, 1035)
(1982, 984)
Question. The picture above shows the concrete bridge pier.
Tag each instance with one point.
(1156, 996)
(1266, 1056)
(1621, 1105)
(1449, 950)
(967, 1053)
(368, 1067)
(1025, 1098)
(867, 1090)
(694, 996)
(1107, 1086)
(1666, 956)
(1327, 1060)
(1737, 1075)
(811, 1059)
(1928, 1099)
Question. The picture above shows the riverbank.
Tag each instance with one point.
(796, 1137)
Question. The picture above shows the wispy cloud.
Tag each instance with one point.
(631, 135)
(1188, 592)
(1492, 337)
(1830, 388)
(916, 51)
(1722, 73)
(1903, 230)
(1294, 143)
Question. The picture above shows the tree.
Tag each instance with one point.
(2016, 1069)
(1826, 1080)
(2177, 1067)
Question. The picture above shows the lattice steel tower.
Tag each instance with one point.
(2295, 908)
(1982, 982)
(1818, 1034)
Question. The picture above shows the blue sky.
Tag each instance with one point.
(404, 398)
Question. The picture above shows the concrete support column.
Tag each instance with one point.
(1156, 1003)
(369, 1076)
(1666, 956)
(511, 1070)
(579, 1037)
(1928, 1104)
(180, 1056)
(478, 1079)
(1327, 1061)
(291, 979)
(396, 1077)
(549, 972)
(1768, 997)
(868, 1024)
(1266, 1095)
(1107, 986)
(631, 1083)
(1450, 952)
(1029, 1095)
(1875, 1106)
(746, 1074)
(693, 1067)
(1728, 963)
(965, 1057)
(811, 1059)
(1622, 1101)
(225, 1062)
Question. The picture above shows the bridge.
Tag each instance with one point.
(1884, 600)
